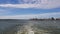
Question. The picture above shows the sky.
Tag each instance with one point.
(26, 9)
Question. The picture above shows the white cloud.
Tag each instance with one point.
(44, 15)
(42, 4)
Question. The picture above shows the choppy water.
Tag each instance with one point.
(29, 27)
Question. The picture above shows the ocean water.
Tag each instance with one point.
(29, 27)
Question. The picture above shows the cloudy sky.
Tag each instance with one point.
(25, 9)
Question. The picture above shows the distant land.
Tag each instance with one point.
(30, 19)
(46, 19)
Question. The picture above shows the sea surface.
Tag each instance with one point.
(17, 26)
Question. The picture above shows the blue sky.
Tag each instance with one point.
(25, 9)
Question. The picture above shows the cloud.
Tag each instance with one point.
(44, 15)
(42, 4)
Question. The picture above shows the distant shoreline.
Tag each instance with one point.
(43, 19)
(28, 19)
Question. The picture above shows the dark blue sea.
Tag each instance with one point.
(13, 26)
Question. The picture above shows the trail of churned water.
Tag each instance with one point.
(30, 29)
(26, 29)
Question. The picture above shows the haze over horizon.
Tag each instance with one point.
(26, 9)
